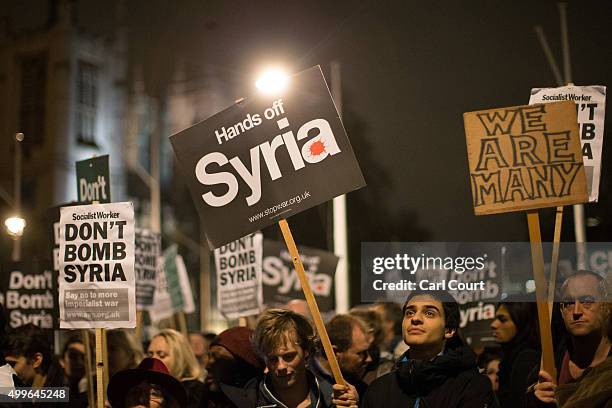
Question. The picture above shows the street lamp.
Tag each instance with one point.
(16, 224)
(272, 81)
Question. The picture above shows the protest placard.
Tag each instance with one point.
(591, 108)
(172, 278)
(28, 292)
(524, 157)
(280, 280)
(93, 180)
(162, 303)
(239, 282)
(147, 252)
(267, 158)
(97, 280)
(187, 293)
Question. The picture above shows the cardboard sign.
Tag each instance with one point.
(591, 108)
(238, 264)
(524, 157)
(280, 280)
(93, 180)
(28, 292)
(97, 281)
(147, 252)
(267, 158)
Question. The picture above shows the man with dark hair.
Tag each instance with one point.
(285, 340)
(438, 370)
(231, 363)
(585, 373)
(72, 360)
(349, 338)
(28, 350)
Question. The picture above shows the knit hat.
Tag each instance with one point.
(237, 340)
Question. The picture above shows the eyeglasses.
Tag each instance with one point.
(585, 301)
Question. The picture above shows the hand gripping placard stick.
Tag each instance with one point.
(312, 303)
(537, 259)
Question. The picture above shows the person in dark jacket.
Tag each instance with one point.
(148, 385)
(350, 340)
(438, 370)
(28, 350)
(285, 340)
(231, 362)
(582, 374)
(515, 328)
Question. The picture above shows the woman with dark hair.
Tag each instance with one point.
(515, 328)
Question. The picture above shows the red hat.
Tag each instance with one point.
(237, 340)
(150, 370)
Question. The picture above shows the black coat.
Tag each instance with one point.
(514, 370)
(449, 380)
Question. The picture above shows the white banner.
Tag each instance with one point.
(239, 277)
(162, 303)
(591, 108)
(97, 280)
(183, 277)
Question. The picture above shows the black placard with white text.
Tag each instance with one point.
(28, 291)
(266, 158)
(280, 280)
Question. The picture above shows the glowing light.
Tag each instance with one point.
(15, 226)
(272, 81)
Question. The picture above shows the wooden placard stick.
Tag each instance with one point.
(554, 263)
(88, 371)
(105, 357)
(537, 259)
(99, 369)
(138, 331)
(312, 303)
(182, 320)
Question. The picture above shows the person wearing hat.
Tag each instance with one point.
(148, 385)
(231, 363)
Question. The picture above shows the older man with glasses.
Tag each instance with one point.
(585, 375)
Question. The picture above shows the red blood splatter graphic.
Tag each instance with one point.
(317, 148)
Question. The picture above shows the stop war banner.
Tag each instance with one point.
(525, 157)
(280, 280)
(97, 282)
(267, 158)
(28, 292)
(591, 108)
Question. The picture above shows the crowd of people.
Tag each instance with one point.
(411, 355)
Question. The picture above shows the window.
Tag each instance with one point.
(87, 103)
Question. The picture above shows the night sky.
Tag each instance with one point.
(409, 71)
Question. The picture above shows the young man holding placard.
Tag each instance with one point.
(285, 340)
(438, 370)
